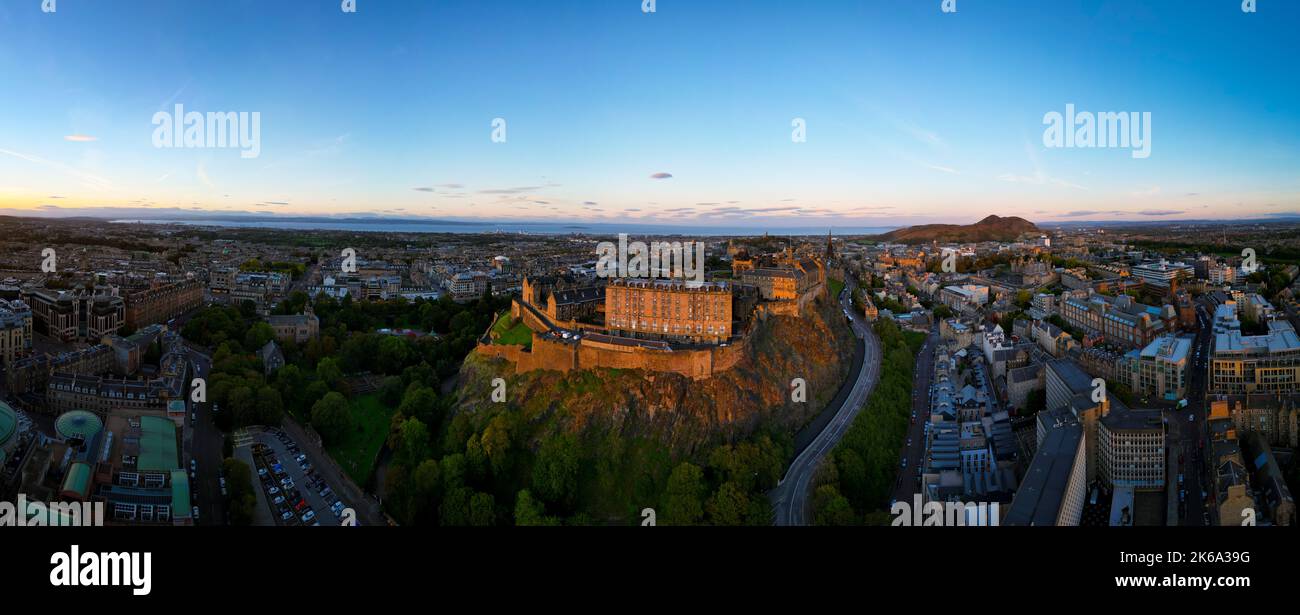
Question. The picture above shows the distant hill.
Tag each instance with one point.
(992, 228)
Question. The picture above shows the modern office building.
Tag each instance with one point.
(1132, 448)
(1053, 489)
(1163, 274)
(1243, 364)
(964, 297)
(76, 316)
(1158, 370)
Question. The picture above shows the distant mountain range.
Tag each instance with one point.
(992, 228)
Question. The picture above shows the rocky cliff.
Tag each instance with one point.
(680, 413)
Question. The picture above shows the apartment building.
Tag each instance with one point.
(162, 303)
(1159, 369)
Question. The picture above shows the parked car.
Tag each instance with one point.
(286, 516)
(279, 499)
(195, 513)
(308, 516)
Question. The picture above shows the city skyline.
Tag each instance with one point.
(614, 115)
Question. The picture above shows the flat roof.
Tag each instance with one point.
(1072, 375)
(180, 495)
(157, 445)
(1038, 501)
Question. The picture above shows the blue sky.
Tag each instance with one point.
(912, 115)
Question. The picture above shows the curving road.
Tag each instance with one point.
(790, 497)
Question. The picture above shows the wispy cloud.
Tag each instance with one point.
(662, 176)
(519, 190)
(93, 181)
(80, 138)
(201, 173)
(1040, 176)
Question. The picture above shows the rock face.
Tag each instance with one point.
(992, 228)
(677, 412)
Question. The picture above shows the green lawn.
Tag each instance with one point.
(836, 287)
(914, 340)
(509, 331)
(357, 451)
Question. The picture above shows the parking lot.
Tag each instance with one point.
(293, 490)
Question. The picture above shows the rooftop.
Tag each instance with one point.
(1038, 501)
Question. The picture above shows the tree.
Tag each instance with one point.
(328, 371)
(392, 355)
(391, 391)
(832, 508)
(729, 505)
(258, 335)
(482, 509)
(555, 475)
(270, 408)
(415, 441)
(684, 496)
(455, 509)
(529, 511)
(289, 380)
(239, 484)
(496, 444)
(420, 402)
(331, 417)
(242, 404)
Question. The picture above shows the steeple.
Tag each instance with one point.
(830, 246)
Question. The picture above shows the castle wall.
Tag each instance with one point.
(563, 356)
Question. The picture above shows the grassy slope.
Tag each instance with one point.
(508, 331)
(357, 451)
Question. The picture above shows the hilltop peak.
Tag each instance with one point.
(991, 228)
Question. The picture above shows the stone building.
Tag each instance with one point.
(76, 316)
(162, 303)
(669, 310)
(296, 328)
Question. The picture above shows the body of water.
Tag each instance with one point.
(531, 228)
